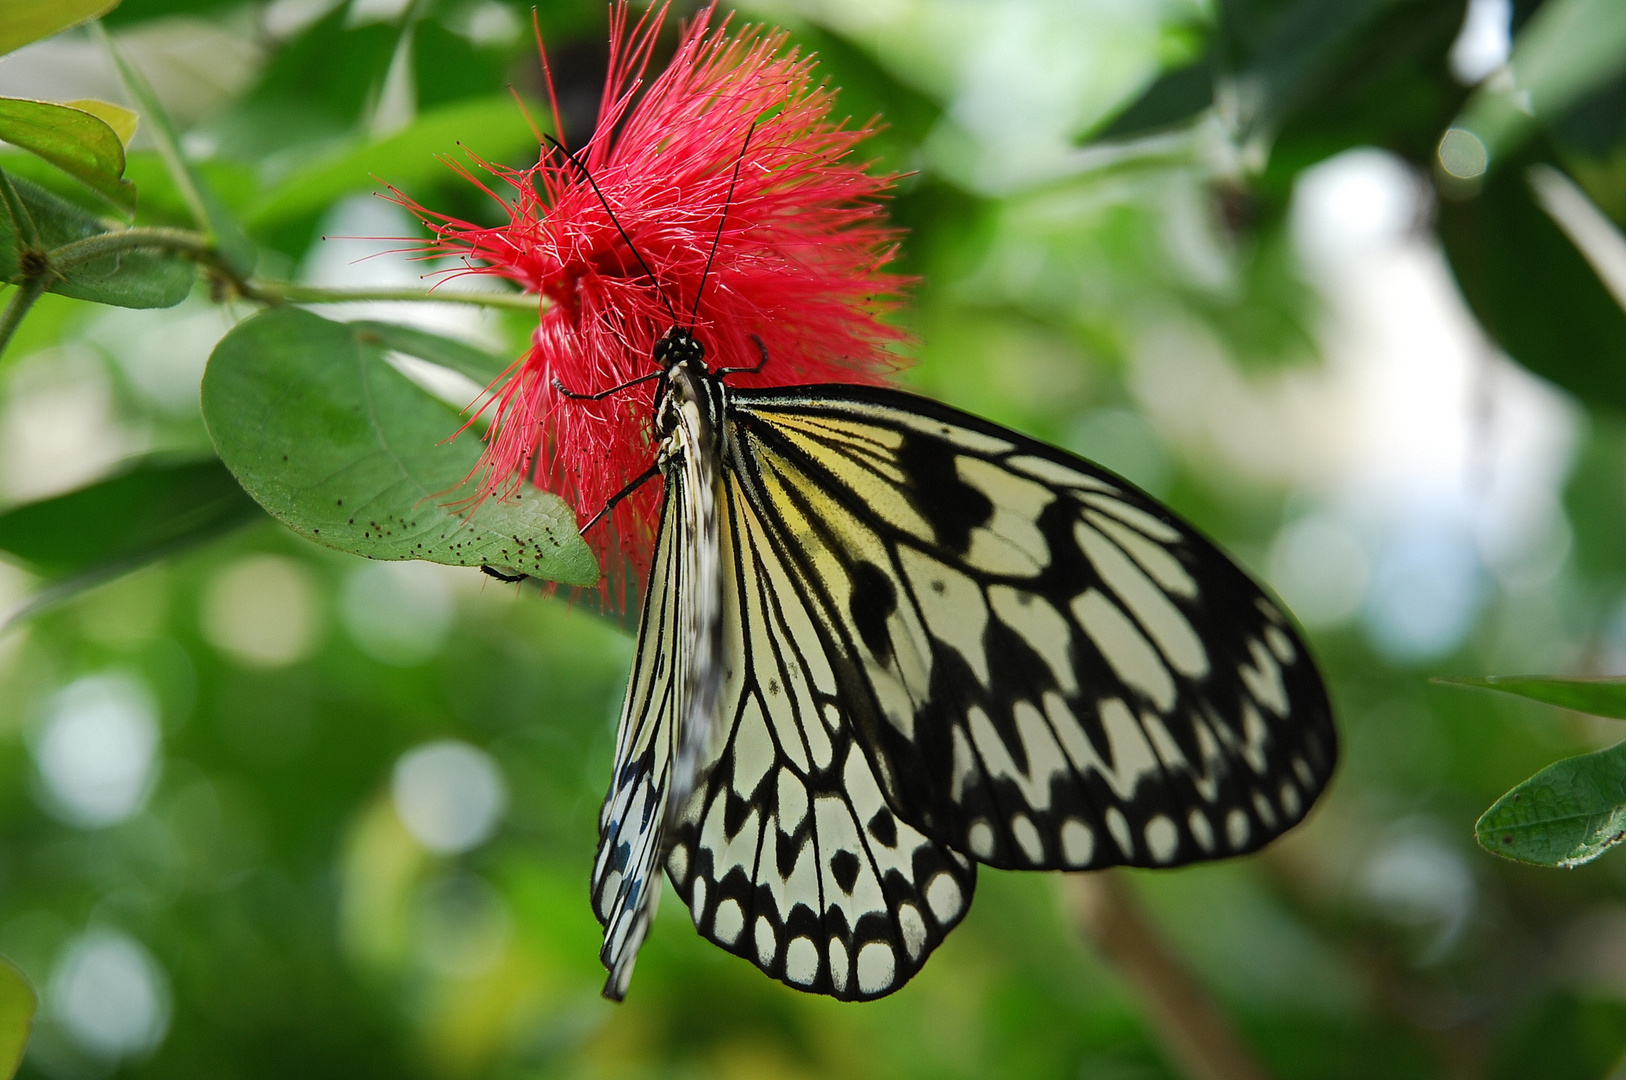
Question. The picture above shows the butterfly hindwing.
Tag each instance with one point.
(626, 872)
(788, 854)
(1047, 669)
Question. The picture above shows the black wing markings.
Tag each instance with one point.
(1250, 654)
(868, 921)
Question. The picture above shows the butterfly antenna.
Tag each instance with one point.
(694, 312)
(559, 146)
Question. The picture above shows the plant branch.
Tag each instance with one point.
(288, 292)
(199, 246)
(1191, 1026)
(101, 245)
(23, 299)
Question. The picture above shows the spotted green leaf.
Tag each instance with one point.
(320, 422)
(1567, 814)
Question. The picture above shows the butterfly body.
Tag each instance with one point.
(884, 641)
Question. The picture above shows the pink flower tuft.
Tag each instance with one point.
(799, 261)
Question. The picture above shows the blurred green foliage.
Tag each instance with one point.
(209, 864)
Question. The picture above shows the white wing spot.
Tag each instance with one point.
(1237, 828)
(876, 967)
(1254, 736)
(838, 965)
(1011, 543)
(1027, 836)
(1077, 842)
(1264, 679)
(1262, 807)
(767, 944)
(1166, 623)
(957, 615)
(965, 764)
(801, 961)
(677, 863)
(1290, 800)
(1041, 627)
(1201, 830)
(1154, 558)
(1301, 769)
(697, 900)
(914, 930)
(1135, 516)
(981, 838)
(944, 897)
(753, 750)
(1132, 757)
(728, 922)
(1118, 826)
(792, 802)
(1162, 838)
(1280, 644)
(1128, 652)
(1052, 472)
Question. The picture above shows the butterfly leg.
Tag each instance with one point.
(761, 348)
(602, 394)
(637, 482)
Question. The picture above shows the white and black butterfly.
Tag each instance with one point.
(884, 641)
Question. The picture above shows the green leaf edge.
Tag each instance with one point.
(1545, 689)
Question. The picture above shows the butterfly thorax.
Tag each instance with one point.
(689, 405)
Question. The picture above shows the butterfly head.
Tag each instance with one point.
(678, 347)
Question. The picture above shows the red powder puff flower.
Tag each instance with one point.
(798, 261)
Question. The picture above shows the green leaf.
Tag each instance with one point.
(157, 507)
(478, 365)
(234, 246)
(319, 426)
(75, 141)
(17, 1005)
(1533, 291)
(1597, 697)
(123, 121)
(1567, 814)
(23, 21)
(494, 128)
(133, 279)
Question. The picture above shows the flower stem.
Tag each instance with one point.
(23, 299)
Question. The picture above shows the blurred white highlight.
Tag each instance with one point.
(1420, 882)
(449, 795)
(262, 611)
(1485, 41)
(1321, 568)
(398, 612)
(96, 750)
(110, 995)
(1433, 452)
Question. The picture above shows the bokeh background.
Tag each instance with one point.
(271, 811)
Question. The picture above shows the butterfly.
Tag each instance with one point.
(884, 641)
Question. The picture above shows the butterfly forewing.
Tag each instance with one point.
(788, 854)
(1045, 667)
